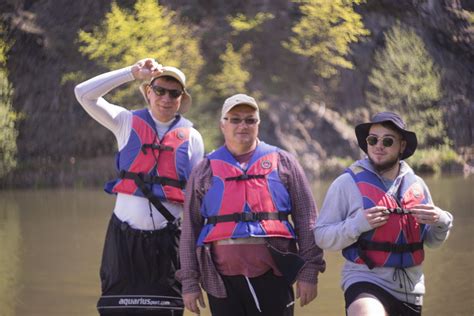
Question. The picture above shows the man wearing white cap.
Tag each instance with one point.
(381, 215)
(157, 149)
(238, 242)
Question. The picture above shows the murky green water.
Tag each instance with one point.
(51, 243)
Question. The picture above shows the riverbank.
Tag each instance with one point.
(82, 172)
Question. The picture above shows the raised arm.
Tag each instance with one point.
(90, 93)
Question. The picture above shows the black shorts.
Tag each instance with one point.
(137, 271)
(269, 293)
(392, 305)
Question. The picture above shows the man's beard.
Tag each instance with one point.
(386, 166)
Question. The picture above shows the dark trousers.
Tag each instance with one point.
(393, 306)
(137, 271)
(273, 295)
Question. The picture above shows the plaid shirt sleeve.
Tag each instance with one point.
(197, 185)
(304, 214)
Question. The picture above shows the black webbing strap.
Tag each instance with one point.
(363, 244)
(156, 146)
(389, 247)
(248, 217)
(152, 198)
(245, 177)
(181, 184)
(370, 264)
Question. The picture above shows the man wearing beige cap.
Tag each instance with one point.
(238, 242)
(157, 149)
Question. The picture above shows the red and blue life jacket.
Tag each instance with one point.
(160, 167)
(399, 242)
(251, 202)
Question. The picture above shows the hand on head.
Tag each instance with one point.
(146, 69)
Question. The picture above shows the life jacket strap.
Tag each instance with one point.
(137, 177)
(397, 210)
(156, 146)
(245, 177)
(248, 217)
(148, 179)
(389, 247)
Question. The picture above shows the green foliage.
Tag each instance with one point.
(233, 77)
(240, 23)
(470, 16)
(405, 80)
(8, 132)
(76, 76)
(436, 159)
(325, 32)
(150, 30)
(208, 125)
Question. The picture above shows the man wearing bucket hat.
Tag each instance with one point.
(238, 242)
(157, 149)
(381, 215)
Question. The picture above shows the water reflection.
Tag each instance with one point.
(10, 238)
(51, 244)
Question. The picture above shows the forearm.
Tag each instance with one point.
(341, 220)
(304, 213)
(336, 236)
(438, 233)
(189, 273)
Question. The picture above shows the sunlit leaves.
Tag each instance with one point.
(150, 30)
(324, 34)
(233, 77)
(241, 23)
(8, 131)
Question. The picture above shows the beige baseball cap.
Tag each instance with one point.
(238, 99)
(177, 74)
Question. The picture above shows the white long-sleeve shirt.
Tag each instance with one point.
(132, 209)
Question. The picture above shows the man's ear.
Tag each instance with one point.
(221, 126)
(403, 145)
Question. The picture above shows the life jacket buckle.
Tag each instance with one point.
(245, 217)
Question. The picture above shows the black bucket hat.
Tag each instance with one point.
(362, 131)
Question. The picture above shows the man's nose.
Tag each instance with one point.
(379, 144)
(167, 95)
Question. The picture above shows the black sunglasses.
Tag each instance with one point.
(237, 120)
(386, 141)
(173, 93)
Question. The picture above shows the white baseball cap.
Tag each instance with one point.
(238, 99)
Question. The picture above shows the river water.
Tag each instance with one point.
(51, 243)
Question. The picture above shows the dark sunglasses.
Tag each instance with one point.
(237, 120)
(173, 93)
(386, 141)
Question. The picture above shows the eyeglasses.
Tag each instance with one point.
(386, 141)
(173, 93)
(238, 120)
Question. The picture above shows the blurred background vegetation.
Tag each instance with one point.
(317, 68)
